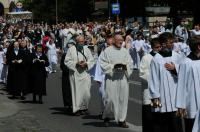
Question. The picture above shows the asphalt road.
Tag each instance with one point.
(53, 117)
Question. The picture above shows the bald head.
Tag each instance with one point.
(118, 41)
(80, 40)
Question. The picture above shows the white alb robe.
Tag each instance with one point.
(162, 83)
(188, 90)
(116, 82)
(52, 53)
(144, 75)
(80, 80)
(100, 77)
(137, 52)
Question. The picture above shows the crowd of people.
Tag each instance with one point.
(167, 61)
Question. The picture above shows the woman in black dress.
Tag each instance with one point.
(38, 73)
(16, 71)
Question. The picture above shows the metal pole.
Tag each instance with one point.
(109, 11)
(56, 11)
(118, 14)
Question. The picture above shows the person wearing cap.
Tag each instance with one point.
(79, 60)
(181, 30)
(38, 73)
(66, 89)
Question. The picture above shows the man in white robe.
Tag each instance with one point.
(147, 115)
(117, 65)
(188, 92)
(163, 84)
(79, 60)
(100, 76)
(137, 51)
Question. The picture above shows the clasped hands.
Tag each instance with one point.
(38, 60)
(17, 61)
(81, 64)
(120, 66)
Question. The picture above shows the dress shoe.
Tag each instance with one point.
(123, 124)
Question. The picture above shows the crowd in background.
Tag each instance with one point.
(31, 51)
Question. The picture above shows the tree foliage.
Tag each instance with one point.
(67, 10)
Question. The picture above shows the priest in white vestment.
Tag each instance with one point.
(79, 60)
(117, 65)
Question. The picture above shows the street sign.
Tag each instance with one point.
(116, 8)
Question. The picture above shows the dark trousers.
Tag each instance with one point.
(147, 119)
(189, 124)
(167, 122)
(66, 90)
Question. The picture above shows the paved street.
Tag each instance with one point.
(52, 117)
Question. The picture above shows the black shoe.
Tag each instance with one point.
(106, 122)
(77, 113)
(123, 124)
(22, 98)
(84, 112)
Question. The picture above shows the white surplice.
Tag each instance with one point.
(100, 77)
(163, 83)
(80, 80)
(144, 75)
(188, 90)
(116, 82)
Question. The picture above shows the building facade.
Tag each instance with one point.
(4, 6)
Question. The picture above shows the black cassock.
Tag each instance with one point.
(38, 74)
(66, 89)
(16, 81)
